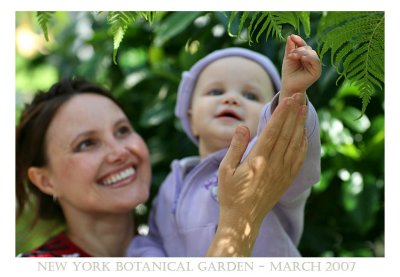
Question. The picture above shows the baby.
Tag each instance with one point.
(227, 88)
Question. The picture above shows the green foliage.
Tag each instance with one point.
(356, 42)
(356, 39)
(43, 19)
(270, 23)
(173, 25)
(345, 211)
(119, 23)
(348, 200)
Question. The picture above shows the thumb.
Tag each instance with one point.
(237, 148)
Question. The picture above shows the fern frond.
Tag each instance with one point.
(269, 23)
(356, 42)
(43, 19)
(119, 22)
(242, 21)
(231, 19)
(304, 18)
(250, 27)
(149, 16)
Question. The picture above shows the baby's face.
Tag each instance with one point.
(229, 92)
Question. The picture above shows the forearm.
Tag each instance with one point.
(234, 238)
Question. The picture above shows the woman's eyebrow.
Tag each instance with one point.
(81, 135)
(88, 133)
(122, 120)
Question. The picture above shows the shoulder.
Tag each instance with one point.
(58, 246)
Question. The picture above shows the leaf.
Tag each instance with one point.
(326, 177)
(305, 21)
(349, 117)
(149, 16)
(356, 42)
(231, 19)
(269, 23)
(43, 19)
(349, 151)
(174, 25)
(157, 113)
(119, 22)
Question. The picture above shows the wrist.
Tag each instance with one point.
(300, 96)
(235, 235)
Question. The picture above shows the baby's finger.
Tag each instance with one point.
(312, 64)
(290, 46)
(304, 51)
(298, 40)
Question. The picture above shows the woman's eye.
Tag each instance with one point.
(250, 96)
(215, 92)
(123, 130)
(85, 145)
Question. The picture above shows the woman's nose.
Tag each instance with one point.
(117, 152)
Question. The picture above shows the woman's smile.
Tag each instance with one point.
(120, 178)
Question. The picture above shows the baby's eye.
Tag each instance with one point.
(250, 96)
(85, 145)
(215, 92)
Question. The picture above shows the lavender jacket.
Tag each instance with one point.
(184, 214)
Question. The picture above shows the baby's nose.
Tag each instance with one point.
(231, 99)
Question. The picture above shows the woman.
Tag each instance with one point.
(79, 155)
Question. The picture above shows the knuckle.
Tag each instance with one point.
(258, 164)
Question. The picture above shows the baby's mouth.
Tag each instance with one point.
(117, 177)
(229, 114)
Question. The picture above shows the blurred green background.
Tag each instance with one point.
(345, 212)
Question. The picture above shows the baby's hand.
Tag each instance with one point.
(301, 67)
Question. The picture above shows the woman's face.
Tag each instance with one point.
(96, 161)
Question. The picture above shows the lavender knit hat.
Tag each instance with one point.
(189, 80)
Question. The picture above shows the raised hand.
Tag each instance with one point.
(248, 190)
(301, 67)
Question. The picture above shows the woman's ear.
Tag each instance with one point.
(39, 177)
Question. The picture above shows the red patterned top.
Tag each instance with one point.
(58, 246)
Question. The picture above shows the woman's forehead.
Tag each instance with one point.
(84, 112)
(88, 104)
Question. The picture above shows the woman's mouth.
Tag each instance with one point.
(118, 177)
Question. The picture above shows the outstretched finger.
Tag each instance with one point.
(296, 140)
(236, 149)
(285, 137)
(272, 130)
(301, 156)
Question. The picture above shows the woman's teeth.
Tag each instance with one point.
(115, 178)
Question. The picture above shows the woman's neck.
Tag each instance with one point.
(101, 235)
